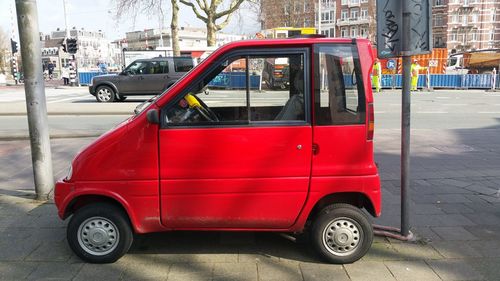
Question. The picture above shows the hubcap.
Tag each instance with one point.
(342, 236)
(98, 236)
(104, 94)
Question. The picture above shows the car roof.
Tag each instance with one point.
(164, 58)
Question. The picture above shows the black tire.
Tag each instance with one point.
(105, 94)
(121, 98)
(341, 233)
(108, 219)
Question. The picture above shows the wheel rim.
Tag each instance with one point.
(104, 94)
(342, 236)
(98, 236)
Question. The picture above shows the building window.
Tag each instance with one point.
(354, 32)
(474, 36)
(363, 32)
(354, 14)
(344, 2)
(332, 32)
(364, 13)
(344, 15)
(343, 32)
(492, 35)
(493, 15)
(364, 1)
(453, 36)
(438, 20)
(474, 17)
(454, 18)
(438, 2)
(354, 2)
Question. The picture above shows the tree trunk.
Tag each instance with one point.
(211, 30)
(174, 28)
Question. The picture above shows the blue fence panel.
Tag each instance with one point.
(234, 80)
(483, 81)
(84, 78)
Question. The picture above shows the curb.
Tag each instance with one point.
(53, 136)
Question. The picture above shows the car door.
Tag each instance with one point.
(245, 162)
(133, 82)
(157, 78)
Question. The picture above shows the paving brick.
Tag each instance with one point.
(51, 251)
(489, 249)
(426, 209)
(368, 270)
(411, 271)
(415, 251)
(454, 233)
(231, 271)
(318, 272)
(55, 270)
(104, 272)
(484, 218)
(455, 208)
(455, 249)
(278, 271)
(16, 270)
(191, 271)
(17, 250)
(455, 270)
(477, 188)
(147, 271)
(488, 268)
(381, 252)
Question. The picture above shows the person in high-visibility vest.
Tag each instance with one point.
(377, 75)
(414, 70)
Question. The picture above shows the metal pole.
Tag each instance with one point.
(66, 19)
(405, 126)
(34, 86)
(319, 16)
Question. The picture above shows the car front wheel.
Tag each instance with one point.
(341, 233)
(99, 233)
(105, 94)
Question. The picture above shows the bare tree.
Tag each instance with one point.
(209, 13)
(287, 13)
(134, 7)
(4, 51)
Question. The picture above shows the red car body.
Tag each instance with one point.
(265, 178)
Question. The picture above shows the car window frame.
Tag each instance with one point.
(305, 51)
(359, 83)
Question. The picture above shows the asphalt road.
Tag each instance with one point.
(81, 114)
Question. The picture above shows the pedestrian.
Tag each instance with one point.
(51, 67)
(65, 74)
(414, 75)
(377, 75)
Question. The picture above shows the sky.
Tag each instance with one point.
(96, 15)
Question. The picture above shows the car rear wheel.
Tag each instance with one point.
(105, 94)
(99, 233)
(341, 233)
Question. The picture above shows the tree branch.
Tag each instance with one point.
(235, 4)
(193, 7)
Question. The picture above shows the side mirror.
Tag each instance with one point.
(153, 116)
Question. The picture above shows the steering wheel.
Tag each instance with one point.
(205, 111)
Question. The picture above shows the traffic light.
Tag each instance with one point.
(64, 44)
(13, 46)
(71, 45)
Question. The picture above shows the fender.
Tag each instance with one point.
(110, 84)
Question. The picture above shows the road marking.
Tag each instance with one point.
(66, 99)
(431, 112)
(489, 112)
(458, 104)
(443, 98)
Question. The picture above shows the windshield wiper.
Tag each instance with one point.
(142, 105)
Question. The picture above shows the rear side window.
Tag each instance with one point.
(338, 86)
(159, 67)
(183, 64)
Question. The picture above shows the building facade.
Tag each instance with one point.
(473, 25)
(189, 38)
(328, 18)
(356, 18)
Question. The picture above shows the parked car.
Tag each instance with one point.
(141, 77)
(299, 160)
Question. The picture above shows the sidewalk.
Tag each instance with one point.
(455, 213)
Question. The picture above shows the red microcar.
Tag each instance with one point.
(263, 135)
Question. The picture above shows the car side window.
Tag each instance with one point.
(183, 64)
(338, 85)
(138, 67)
(253, 89)
(158, 67)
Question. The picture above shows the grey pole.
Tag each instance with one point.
(405, 125)
(34, 86)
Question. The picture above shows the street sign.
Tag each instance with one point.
(391, 64)
(390, 28)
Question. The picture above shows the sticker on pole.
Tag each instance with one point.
(390, 28)
(391, 64)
